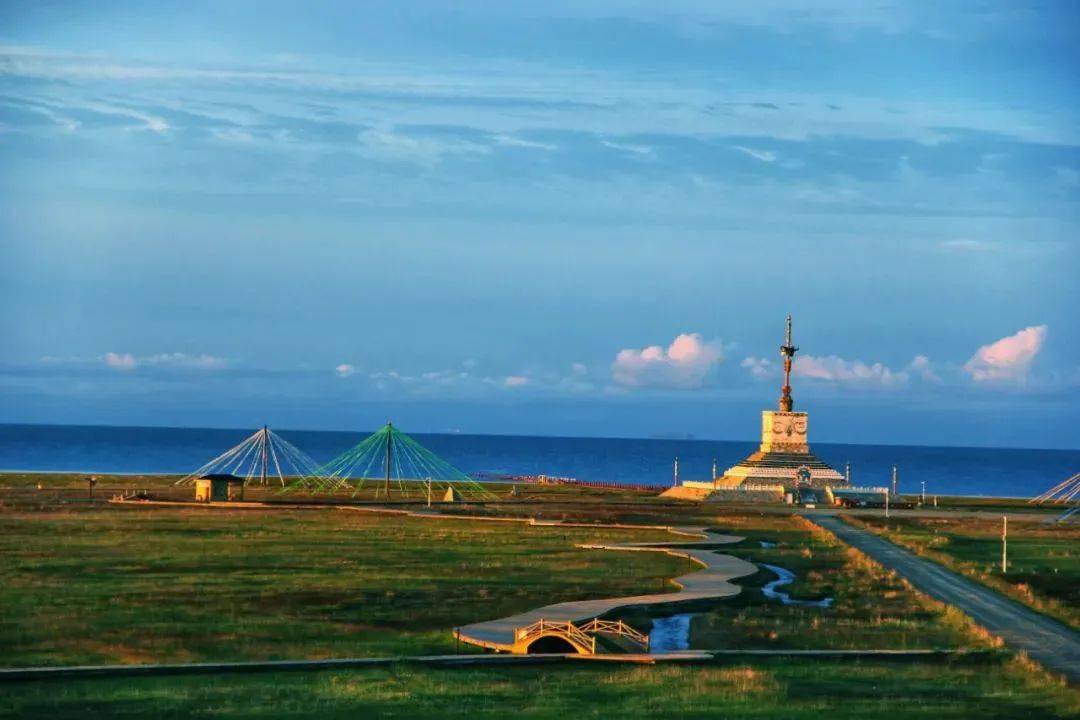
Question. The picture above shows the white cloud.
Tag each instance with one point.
(511, 141)
(390, 145)
(515, 381)
(767, 156)
(759, 367)
(1008, 359)
(147, 121)
(345, 370)
(641, 151)
(921, 366)
(572, 99)
(850, 372)
(120, 361)
(579, 369)
(684, 364)
(129, 361)
(964, 245)
(201, 362)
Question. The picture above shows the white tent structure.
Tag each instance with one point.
(259, 457)
(1066, 492)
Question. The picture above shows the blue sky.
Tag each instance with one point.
(543, 218)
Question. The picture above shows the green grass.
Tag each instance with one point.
(871, 608)
(1044, 559)
(86, 583)
(43, 489)
(766, 689)
(123, 584)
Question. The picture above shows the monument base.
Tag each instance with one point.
(783, 458)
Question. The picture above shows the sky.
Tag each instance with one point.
(545, 218)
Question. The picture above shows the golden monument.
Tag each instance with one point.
(784, 456)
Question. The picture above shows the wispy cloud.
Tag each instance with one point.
(390, 145)
(923, 368)
(511, 141)
(849, 372)
(766, 156)
(759, 367)
(344, 370)
(965, 245)
(639, 151)
(556, 98)
(127, 362)
(200, 362)
(120, 361)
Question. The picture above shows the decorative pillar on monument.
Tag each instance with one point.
(788, 351)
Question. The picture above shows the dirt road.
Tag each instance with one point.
(1053, 644)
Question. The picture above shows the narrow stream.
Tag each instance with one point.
(786, 577)
(672, 633)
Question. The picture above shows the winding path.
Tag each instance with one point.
(713, 582)
(1048, 641)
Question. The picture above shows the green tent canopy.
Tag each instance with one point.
(394, 460)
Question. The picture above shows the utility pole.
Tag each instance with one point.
(1004, 544)
(847, 472)
(676, 471)
(886, 506)
(429, 491)
(389, 442)
(922, 499)
(265, 439)
(894, 480)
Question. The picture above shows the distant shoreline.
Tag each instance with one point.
(4, 472)
(659, 438)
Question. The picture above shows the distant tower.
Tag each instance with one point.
(788, 351)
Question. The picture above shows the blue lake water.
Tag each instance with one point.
(946, 470)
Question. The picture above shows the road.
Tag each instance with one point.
(1051, 643)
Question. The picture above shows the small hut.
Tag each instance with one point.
(219, 487)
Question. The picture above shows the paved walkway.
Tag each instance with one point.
(1051, 643)
(710, 583)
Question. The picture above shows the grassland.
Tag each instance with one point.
(201, 584)
(87, 582)
(871, 607)
(767, 689)
(44, 488)
(1044, 559)
(104, 585)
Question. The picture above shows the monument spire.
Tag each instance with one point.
(788, 351)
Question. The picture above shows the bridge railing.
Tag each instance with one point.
(616, 627)
(556, 627)
(582, 635)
